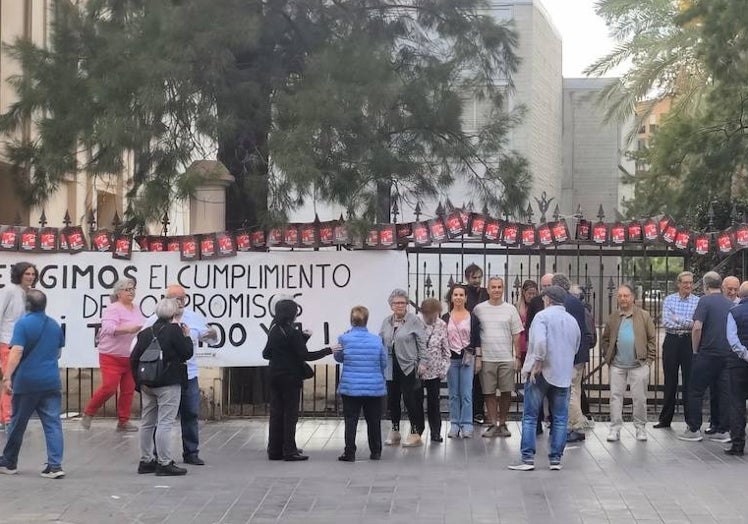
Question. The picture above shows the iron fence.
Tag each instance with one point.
(431, 270)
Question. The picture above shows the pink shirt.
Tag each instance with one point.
(115, 316)
(458, 334)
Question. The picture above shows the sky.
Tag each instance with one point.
(585, 35)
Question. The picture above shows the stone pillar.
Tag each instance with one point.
(208, 215)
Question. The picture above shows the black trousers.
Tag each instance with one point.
(285, 394)
(676, 353)
(433, 409)
(372, 407)
(410, 389)
(738, 394)
(706, 370)
(715, 419)
(478, 403)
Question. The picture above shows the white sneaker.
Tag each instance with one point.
(413, 440)
(393, 439)
(614, 435)
(691, 436)
(641, 434)
(522, 466)
(555, 466)
(724, 438)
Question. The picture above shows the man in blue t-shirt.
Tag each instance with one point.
(34, 379)
(711, 348)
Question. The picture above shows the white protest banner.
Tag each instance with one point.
(232, 293)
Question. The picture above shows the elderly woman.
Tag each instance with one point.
(23, 276)
(120, 324)
(287, 352)
(404, 336)
(463, 332)
(434, 368)
(362, 385)
(161, 398)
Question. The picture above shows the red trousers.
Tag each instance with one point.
(115, 372)
(5, 398)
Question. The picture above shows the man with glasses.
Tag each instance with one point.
(677, 352)
(189, 406)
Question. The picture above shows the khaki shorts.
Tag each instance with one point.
(497, 376)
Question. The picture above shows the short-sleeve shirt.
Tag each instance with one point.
(712, 312)
(39, 371)
(498, 325)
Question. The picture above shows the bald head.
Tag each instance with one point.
(730, 286)
(546, 280)
(175, 291)
(743, 292)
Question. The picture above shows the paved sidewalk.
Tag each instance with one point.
(663, 480)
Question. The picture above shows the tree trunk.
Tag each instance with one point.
(384, 202)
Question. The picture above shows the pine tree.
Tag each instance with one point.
(341, 101)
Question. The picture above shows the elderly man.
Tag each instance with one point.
(730, 287)
(737, 367)
(629, 344)
(189, 405)
(33, 377)
(677, 352)
(575, 307)
(535, 306)
(711, 349)
(500, 326)
(553, 343)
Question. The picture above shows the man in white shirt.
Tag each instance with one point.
(189, 406)
(497, 358)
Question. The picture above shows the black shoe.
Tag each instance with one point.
(479, 420)
(53, 472)
(347, 458)
(275, 457)
(170, 470)
(737, 452)
(375, 456)
(711, 430)
(194, 460)
(661, 425)
(575, 436)
(147, 467)
(298, 457)
(437, 439)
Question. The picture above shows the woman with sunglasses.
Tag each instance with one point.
(120, 324)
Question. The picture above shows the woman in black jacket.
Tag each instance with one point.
(286, 350)
(161, 399)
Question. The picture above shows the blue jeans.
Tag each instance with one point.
(558, 398)
(460, 382)
(189, 411)
(48, 406)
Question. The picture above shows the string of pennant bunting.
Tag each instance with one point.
(458, 223)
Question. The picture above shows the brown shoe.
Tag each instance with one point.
(413, 440)
(127, 428)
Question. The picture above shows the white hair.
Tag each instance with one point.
(397, 293)
(167, 308)
(120, 285)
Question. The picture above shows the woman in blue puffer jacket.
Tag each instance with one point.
(362, 383)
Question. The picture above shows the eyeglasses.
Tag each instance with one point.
(129, 290)
(399, 303)
(180, 299)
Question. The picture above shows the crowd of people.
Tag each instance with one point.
(478, 345)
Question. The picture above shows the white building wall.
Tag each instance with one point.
(594, 151)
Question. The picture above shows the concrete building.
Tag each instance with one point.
(594, 152)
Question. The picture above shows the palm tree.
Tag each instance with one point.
(657, 41)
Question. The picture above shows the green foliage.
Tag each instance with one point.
(302, 99)
(694, 53)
